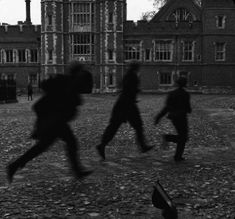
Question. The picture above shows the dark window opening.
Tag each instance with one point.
(9, 56)
(110, 54)
(22, 55)
(110, 17)
(50, 20)
(50, 55)
(147, 54)
(165, 78)
(33, 55)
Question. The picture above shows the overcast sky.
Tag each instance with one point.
(12, 11)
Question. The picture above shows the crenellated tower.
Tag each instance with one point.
(111, 20)
(90, 31)
(52, 37)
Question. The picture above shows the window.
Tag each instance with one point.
(181, 15)
(9, 56)
(188, 51)
(163, 51)
(33, 55)
(132, 50)
(220, 52)
(33, 79)
(49, 17)
(10, 77)
(22, 55)
(50, 55)
(110, 55)
(165, 78)
(148, 55)
(111, 79)
(83, 13)
(83, 44)
(220, 22)
(110, 17)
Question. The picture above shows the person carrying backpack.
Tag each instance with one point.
(54, 110)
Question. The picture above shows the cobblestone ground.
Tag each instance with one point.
(202, 187)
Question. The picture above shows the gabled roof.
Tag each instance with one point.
(171, 5)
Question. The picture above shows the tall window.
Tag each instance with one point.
(163, 50)
(165, 78)
(21, 55)
(83, 44)
(9, 55)
(188, 51)
(110, 17)
(147, 55)
(49, 19)
(220, 22)
(111, 79)
(220, 52)
(110, 55)
(83, 13)
(33, 55)
(50, 55)
(132, 50)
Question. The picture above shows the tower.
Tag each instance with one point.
(90, 31)
(52, 37)
(112, 18)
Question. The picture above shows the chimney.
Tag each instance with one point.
(28, 17)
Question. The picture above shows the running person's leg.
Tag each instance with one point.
(109, 133)
(135, 121)
(41, 146)
(181, 126)
(72, 148)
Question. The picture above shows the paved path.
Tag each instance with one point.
(202, 187)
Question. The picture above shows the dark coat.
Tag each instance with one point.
(56, 107)
(177, 105)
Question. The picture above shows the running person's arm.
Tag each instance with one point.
(163, 112)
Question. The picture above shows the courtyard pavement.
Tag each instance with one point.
(202, 187)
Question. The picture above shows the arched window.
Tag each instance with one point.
(181, 14)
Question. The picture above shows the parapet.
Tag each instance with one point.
(20, 28)
(160, 27)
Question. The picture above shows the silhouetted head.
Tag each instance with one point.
(181, 82)
(75, 68)
(134, 67)
(81, 78)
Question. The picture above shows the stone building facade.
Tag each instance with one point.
(183, 38)
(20, 52)
(88, 31)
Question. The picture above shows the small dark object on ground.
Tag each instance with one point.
(161, 200)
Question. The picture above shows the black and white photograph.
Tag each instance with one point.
(117, 109)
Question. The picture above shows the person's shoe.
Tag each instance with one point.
(165, 143)
(11, 170)
(101, 151)
(84, 173)
(146, 149)
(179, 159)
